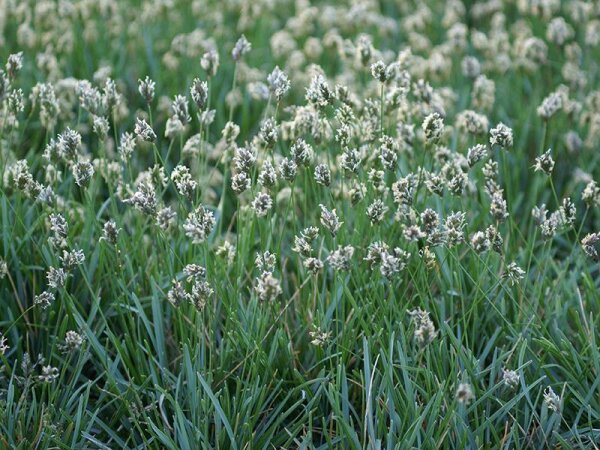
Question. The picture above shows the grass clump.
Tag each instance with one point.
(293, 225)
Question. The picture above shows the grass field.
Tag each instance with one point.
(294, 225)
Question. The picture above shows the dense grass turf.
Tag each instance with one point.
(399, 283)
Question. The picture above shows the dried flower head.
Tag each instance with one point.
(194, 272)
(514, 273)
(591, 194)
(471, 68)
(340, 259)
(199, 224)
(244, 158)
(318, 337)
(49, 374)
(183, 181)
(68, 145)
(14, 64)
(177, 294)
(376, 211)
(313, 265)
(201, 293)
(262, 204)
(240, 182)
(144, 131)
(318, 92)
(322, 174)
(330, 220)
(3, 345)
(45, 299)
(268, 133)
(480, 242)
(73, 341)
(510, 378)
(146, 88)
(72, 259)
(268, 175)
(279, 83)
(266, 261)
(59, 228)
(551, 399)
(110, 232)
(378, 71)
(432, 126)
(301, 152)
(393, 262)
(199, 93)
(179, 108)
(241, 47)
(83, 172)
(144, 199)
(268, 288)
(464, 393)
(501, 136)
(210, 62)
(3, 268)
(388, 152)
(472, 122)
(498, 207)
(425, 331)
(550, 106)
(57, 277)
(100, 126)
(165, 218)
(126, 146)
(590, 245)
(544, 163)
